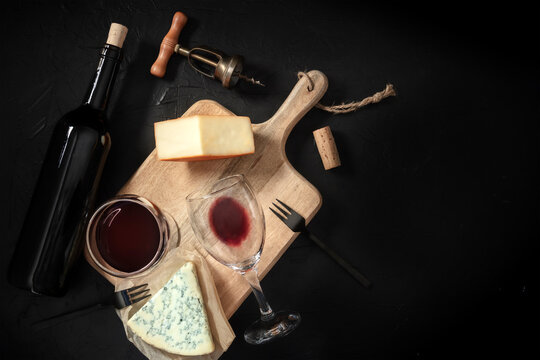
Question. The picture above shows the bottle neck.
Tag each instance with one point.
(103, 80)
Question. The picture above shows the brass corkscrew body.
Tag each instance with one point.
(227, 69)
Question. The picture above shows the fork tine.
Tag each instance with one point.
(278, 215)
(133, 288)
(131, 296)
(286, 206)
(139, 299)
(283, 211)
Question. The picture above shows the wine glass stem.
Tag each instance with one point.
(253, 279)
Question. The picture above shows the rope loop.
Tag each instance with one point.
(351, 106)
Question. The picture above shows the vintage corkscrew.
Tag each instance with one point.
(207, 61)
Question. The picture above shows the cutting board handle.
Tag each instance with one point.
(307, 92)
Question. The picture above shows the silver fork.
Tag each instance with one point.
(297, 223)
(119, 299)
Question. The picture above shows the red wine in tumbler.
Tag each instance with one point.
(127, 236)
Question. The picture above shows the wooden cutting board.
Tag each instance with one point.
(167, 183)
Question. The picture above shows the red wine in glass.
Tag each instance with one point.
(229, 210)
(229, 221)
(127, 236)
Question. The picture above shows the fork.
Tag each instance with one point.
(119, 299)
(297, 223)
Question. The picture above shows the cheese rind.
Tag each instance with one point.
(175, 319)
(204, 137)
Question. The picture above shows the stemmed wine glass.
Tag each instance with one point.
(228, 220)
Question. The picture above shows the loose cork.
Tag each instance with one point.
(117, 35)
(327, 147)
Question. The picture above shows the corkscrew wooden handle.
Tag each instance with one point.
(167, 44)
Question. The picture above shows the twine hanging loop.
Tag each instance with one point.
(351, 106)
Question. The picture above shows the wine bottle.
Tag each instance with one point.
(52, 236)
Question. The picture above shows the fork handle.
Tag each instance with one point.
(344, 264)
(60, 318)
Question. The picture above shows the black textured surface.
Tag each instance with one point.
(436, 202)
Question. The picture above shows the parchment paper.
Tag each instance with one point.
(222, 333)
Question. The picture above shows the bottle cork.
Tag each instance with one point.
(117, 35)
(327, 148)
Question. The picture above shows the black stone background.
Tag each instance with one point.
(436, 202)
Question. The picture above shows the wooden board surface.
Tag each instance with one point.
(167, 183)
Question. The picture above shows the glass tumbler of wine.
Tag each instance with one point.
(229, 222)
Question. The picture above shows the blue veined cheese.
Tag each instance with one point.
(174, 319)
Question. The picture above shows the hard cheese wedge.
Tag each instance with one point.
(174, 319)
(204, 137)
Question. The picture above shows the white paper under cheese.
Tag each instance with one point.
(174, 319)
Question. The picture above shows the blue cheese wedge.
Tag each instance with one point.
(174, 319)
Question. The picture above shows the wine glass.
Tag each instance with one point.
(128, 235)
(229, 222)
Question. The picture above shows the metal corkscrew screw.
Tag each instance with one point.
(207, 61)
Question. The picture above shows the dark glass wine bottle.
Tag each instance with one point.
(52, 236)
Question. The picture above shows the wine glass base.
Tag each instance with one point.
(263, 331)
